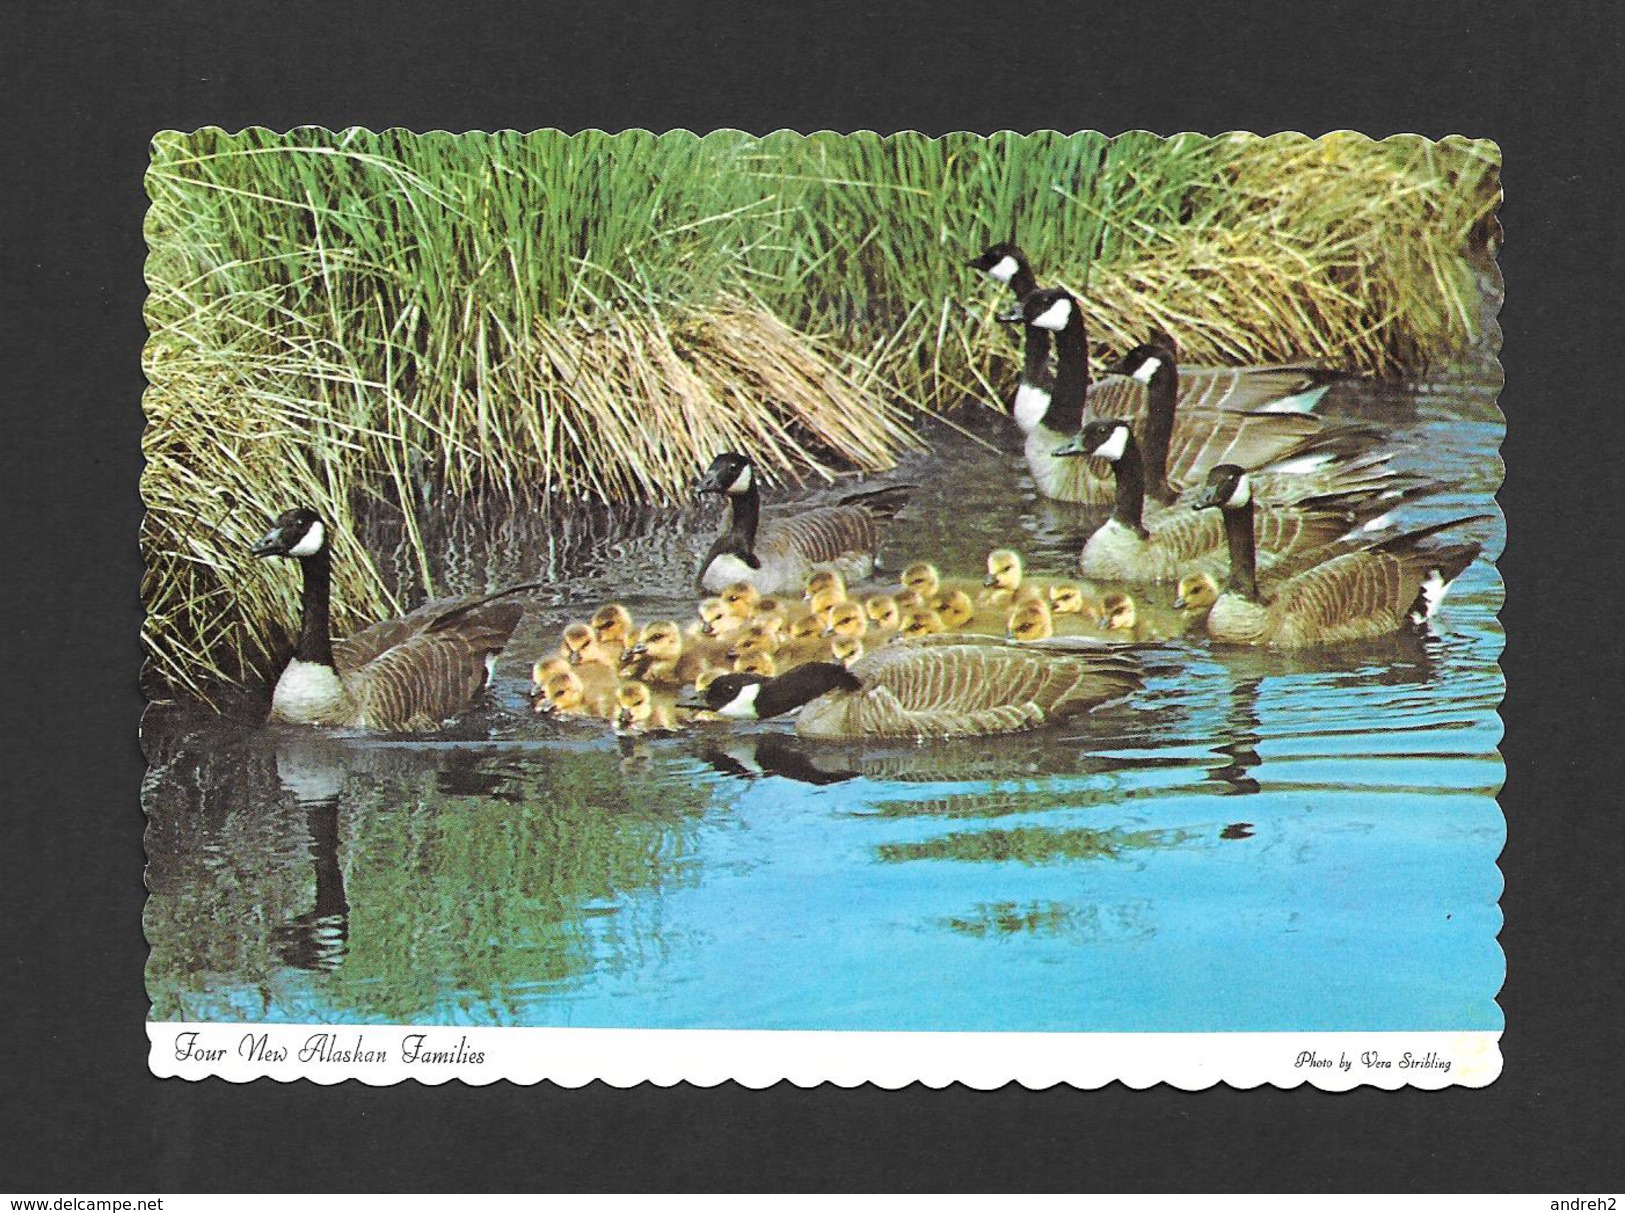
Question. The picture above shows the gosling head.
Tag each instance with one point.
(955, 609)
(634, 705)
(883, 612)
(1197, 592)
(756, 662)
(612, 624)
(1117, 613)
(1030, 621)
(1065, 598)
(920, 621)
(563, 692)
(846, 650)
(847, 619)
(922, 578)
(578, 644)
(1003, 570)
(824, 580)
(740, 599)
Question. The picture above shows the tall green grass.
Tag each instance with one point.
(338, 316)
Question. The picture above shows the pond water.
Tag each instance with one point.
(1253, 843)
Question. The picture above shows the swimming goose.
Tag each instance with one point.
(661, 658)
(612, 628)
(1129, 546)
(1287, 387)
(1197, 438)
(579, 691)
(780, 554)
(1381, 588)
(883, 612)
(401, 675)
(927, 690)
(637, 710)
(846, 650)
(579, 646)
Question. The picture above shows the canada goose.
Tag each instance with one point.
(1198, 438)
(930, 690)
(401, 675)
(1287, 387)
(637, 710)
(1383, 587)
(779, 555)
(1130, 547)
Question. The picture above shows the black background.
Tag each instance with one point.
(87, 84)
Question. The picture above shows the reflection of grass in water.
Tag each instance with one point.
(1046, 918)
(458, 900)
(1034, 799)
(1031, 845)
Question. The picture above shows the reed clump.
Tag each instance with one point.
(344, 316)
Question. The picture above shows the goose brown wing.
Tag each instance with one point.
(1246, 387)
(1354, 595)
(820, 536)
(1203, 439)
(938, 690)
(433, 673)
(357, 650)
(1118, 397)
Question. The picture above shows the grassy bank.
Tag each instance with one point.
(338, 316)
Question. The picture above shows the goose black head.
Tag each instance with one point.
(1146, 363)
(297, 532)
(730, 695)
(1002, 262)
(1103, 439)
(1227, 487)
(730, 473)
(1051, 308)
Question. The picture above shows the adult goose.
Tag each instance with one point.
(1383, 587)
(401, 675)
(928, 690)
(1283, 387)
(777, 555)
(1161, 547)
(1194, 439)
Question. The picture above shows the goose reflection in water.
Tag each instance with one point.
(319, 938)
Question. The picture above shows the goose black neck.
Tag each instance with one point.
(1035, 357)
(1065, 415)
(1022, 282)
(315, 637)
(801, 686)
(1161, 397)
(1129, 505)
(1238, 538)
(746, 513)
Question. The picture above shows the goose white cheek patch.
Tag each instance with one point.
(1003, 269)
(743, 705)
(312, 542)
(1114, 446)
(1241, 494)
(743, 481)
(1147, 370)
(1055, 317)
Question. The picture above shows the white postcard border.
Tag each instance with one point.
(382, 1055)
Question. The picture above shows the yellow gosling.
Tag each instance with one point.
(580, 647)
(740, 600)
(1067, 598)
(1118, 613)
(847, 619)
(1003, 577)
(955, 609)
(752, 640)
(1030, 621)
(756, 663)
(883, 612)
(715, 619)
(637, 710)
(920, 621)
(568, 694)
(545, 669)
(825, 581)
(1197, 594)
(612, 627)
(923, 579)
(846, 649)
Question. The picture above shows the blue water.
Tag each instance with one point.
(1254, 842)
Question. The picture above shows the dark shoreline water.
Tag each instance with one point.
(1254, 842)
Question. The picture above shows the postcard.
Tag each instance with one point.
(830, 607)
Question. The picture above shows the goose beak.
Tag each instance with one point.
(1013, 316)
(575, 657)
(692, 699)
(1207, 498)
(990, 580)
(268, 544)
(624, 719)
(708, 483)
(1179, 603)
(1073, 446)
